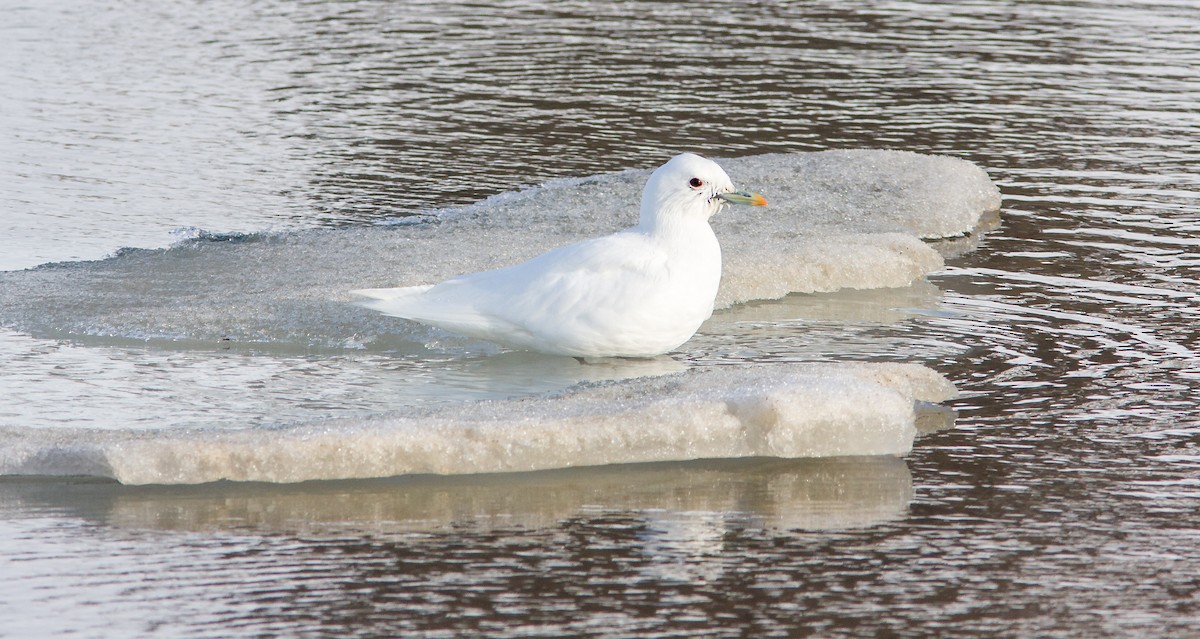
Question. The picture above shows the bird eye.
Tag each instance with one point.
(695, 183)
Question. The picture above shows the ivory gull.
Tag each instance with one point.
(641, 292)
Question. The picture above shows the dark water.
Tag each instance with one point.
(1064, 502)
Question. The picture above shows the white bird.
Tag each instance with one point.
(640, 292)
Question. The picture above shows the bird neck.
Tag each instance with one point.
(664, 219)
(677, 230)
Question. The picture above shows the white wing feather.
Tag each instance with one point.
(575, 297)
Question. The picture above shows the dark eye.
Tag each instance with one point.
(695, 183)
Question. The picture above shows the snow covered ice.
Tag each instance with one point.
(754, 411)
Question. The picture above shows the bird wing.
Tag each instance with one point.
(571, 291)
(595, 287)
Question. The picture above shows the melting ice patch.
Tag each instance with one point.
(837, 220)
(816, 410)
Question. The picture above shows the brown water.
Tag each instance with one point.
(1063, 503)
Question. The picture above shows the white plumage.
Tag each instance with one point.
(637, 293)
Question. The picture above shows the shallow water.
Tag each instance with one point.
(1062, 502)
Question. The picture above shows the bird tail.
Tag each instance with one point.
(398, 302)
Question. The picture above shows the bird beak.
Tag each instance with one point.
(743, 197)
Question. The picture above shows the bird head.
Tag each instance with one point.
(690, 187)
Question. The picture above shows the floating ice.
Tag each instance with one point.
(815, 410)
(837, 220)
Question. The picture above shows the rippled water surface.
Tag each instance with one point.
(1063, 503)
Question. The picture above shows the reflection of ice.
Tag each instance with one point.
(853, 305)
(686, 507)
(684, 546)
(827, 495)
(932, 418)
(852, 324)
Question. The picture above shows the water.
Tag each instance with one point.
(1061, 503)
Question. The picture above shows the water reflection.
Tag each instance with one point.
(707, 497)
(604, 550)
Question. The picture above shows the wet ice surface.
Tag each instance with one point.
(1063, 503)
